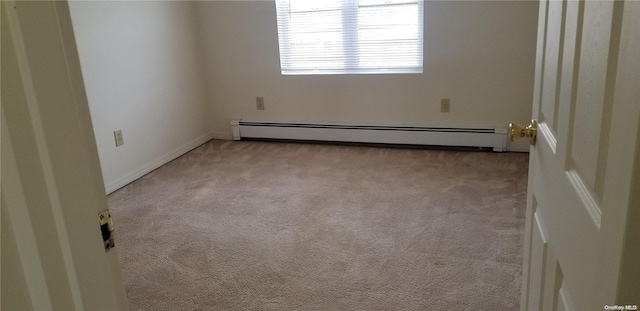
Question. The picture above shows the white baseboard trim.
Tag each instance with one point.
(520, 146)
(222, 135)
(131, 177)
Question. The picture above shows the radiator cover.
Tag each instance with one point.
(495, 138)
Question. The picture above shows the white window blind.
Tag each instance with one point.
(350, 36)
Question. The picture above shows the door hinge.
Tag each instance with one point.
(107, 229)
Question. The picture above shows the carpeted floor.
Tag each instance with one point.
(285, 226)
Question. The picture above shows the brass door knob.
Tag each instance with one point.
(517, 132)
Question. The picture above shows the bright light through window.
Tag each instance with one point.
(350, 36)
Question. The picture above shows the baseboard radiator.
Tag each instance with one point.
(495, 138)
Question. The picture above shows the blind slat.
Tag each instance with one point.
(350, 36)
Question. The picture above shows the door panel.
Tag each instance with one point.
(568, 228)
(564, 301)
(567, 88)
(553, 281)
(538, 260)
(552, 62)
(588, 129)
(56, 191)
(542, 27)
(573, 206)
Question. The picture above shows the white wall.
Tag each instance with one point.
(480, 54)
(171, 83)
(142, 68)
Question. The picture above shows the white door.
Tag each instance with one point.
(583, 176)
(53, 256)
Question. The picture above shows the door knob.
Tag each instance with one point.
(517, 132)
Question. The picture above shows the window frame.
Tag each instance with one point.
(350, 41)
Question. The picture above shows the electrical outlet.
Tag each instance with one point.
(260, 103)
(445, 105)
(118, 136)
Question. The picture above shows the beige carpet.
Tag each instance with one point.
(285, 226)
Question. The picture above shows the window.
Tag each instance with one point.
(350, 36)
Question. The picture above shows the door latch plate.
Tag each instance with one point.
(107, 229)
